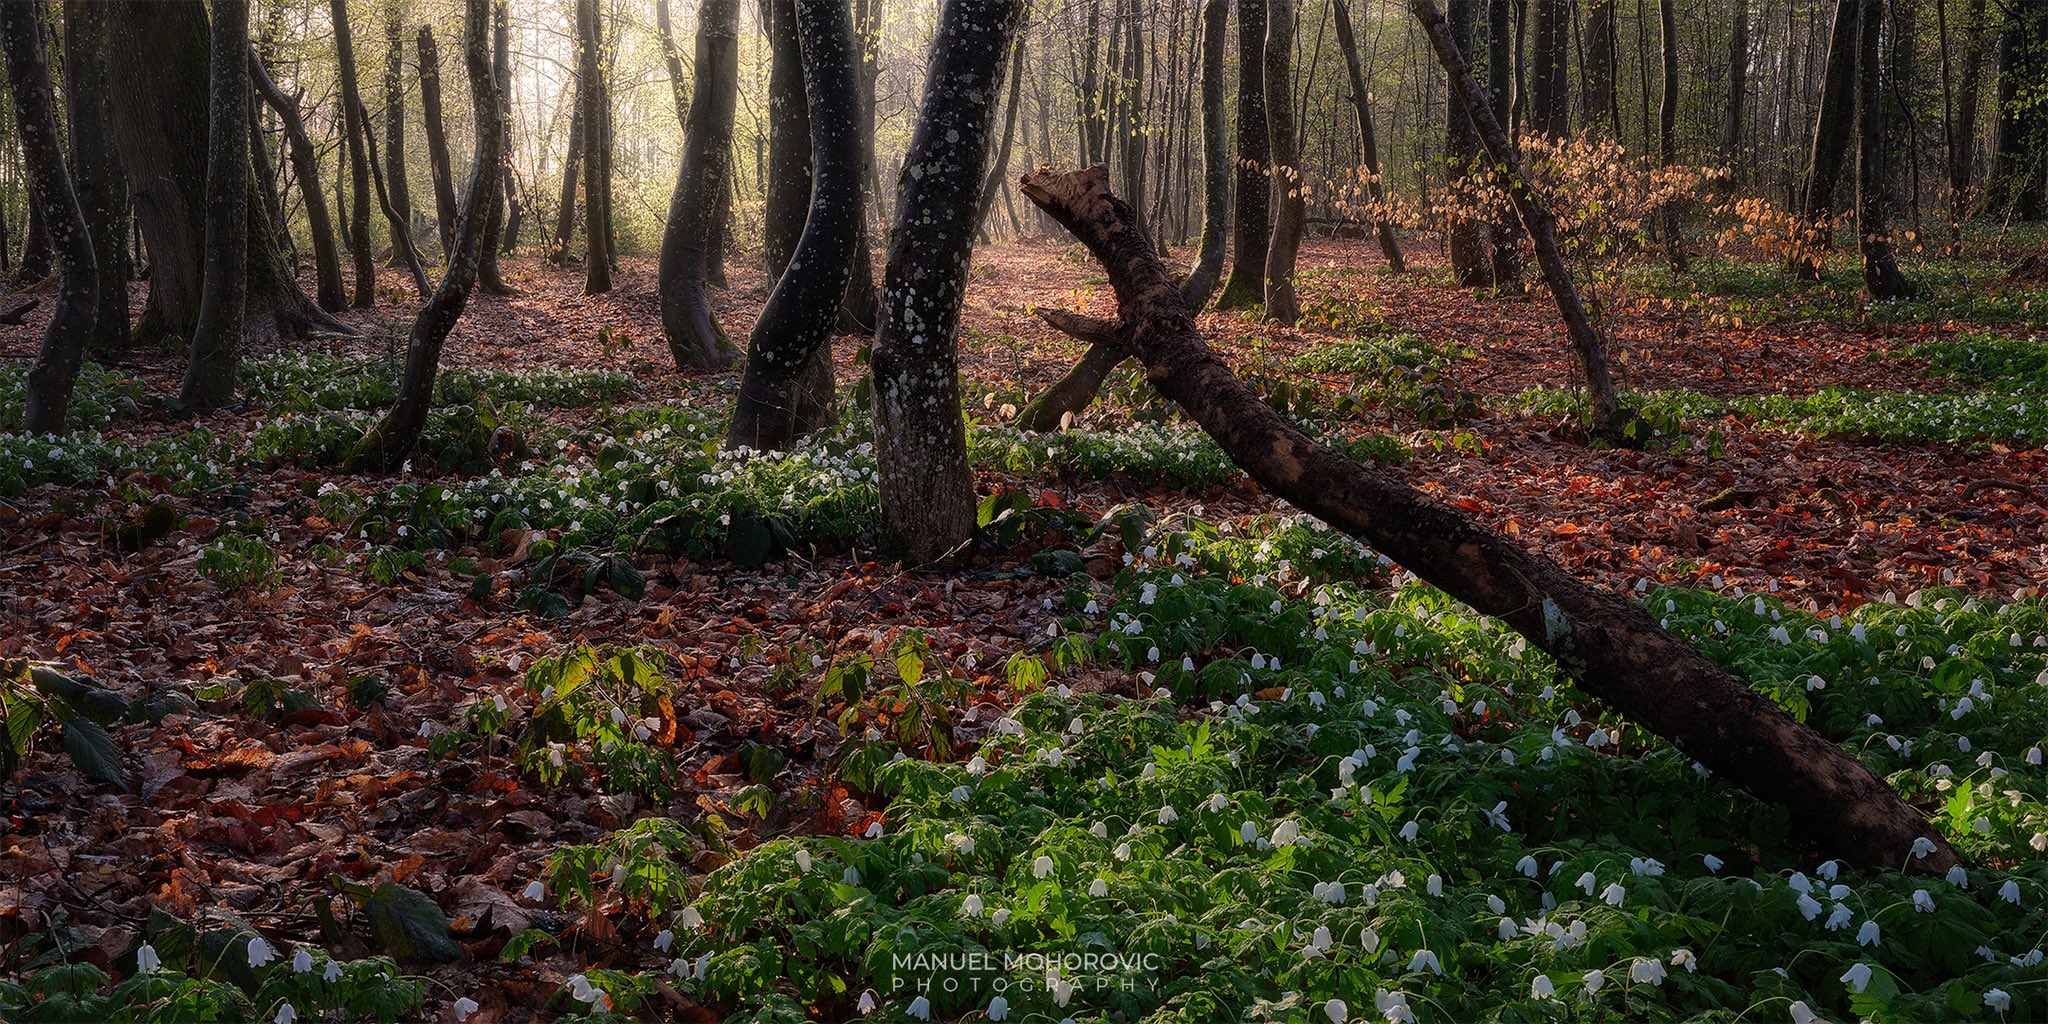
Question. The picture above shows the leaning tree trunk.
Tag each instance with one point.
(1615, 650)
(55, 370)
(672, 58)
(927, 488)
(356, 130)
(597, 259)
(786, 205)
(387, 445)
(96, 167)
(1201, 281)
(1245, 286)
(210, 367)
(306, 166)
(437, 138)
(1667, 130)
(1076, 390)
(1282, 305)
(1874, 240)
(859, 309)
(694, 335)
(1832, 126)
(395, 183)
(798, 318)
(1606, 415)
(1368, 142)
(1470, 252)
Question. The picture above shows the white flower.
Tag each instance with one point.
(582, 990)
(302, 961)
(287, 1013)
(1167, 815)
(1248, 832)
(1337, 1010)
(331, 973)
(1646, 971)
(1285, 833)
(463, 1008)
(535, 891)
(874, 830)
(146, 960)
(260, 952)
(1507, 928)
(1041, 867)
(971, 906)
(1857, 977)
(1998, 1000)
(1425, 960)
(1682, 957)
(1922, 847)
(1614, 894)
(2010, 892)
(1410, 831)
(1001, 915)
(692, 918)
(921, 1008)
(998, 1008)
(1593, 980)
(1922, 902)
(1434, 885)
(867, 1002)
(1588, 882)
(1712, 863)
(1868, 934)
(963, 843)
(1802, 1013)
(1541, 988)
(1808, 906)
(1098, 888)
(1527, 866)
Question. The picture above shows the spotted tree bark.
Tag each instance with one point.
(802, 309)
(1208, 269)
(210, 362)
(388, 443)
(694, 335)
(1245, 287)
(927, 488)
(330, 294)
(437, 137)
(55, 370)
(1615, 650)
(1368, 140)
(1291, 206)
(102, 190)
(1667, 128)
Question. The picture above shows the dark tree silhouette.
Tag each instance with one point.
(210, 366)
(694, 335)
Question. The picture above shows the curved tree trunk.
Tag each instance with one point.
(1245, 287)
(387, 445)
(210, 368)
(1077, 389)
(1612, 646)
(1881, 274)
(1000, 168)
(437, 138)
(597, 259)
(55, 370)
(927, 488)
(1602, 51)
(1201, 281)
(1368, 141)
(798, 318)
(306, 166)
(1282, 305)
(355, 128)
(1605, 414)
(96, 167)
(1963, 130)
(694, 335)
(787, 202)
(36, 256)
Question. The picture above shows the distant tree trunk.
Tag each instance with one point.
(694, 335)
(1282, 305)
(96, 167)
(860, 310)
(388, 444)
(1201, 281)
(1471, 253)
(1550, 95)
(1090, 117)
(55, 370)
(597, 260)
(501, 223)
(36, 256)
(1606, 415)
(1881, 274)
(1504, 232)
(1738, 90)
(1833, 124)
(1667, 130)
(672, 59)
(798, 318)
(1368, 142)
(1131, 111)
(437, 138)
(1245, 287)
(264, 175)
(394, 123)
(927, 487)
(1000, 169)
(356, 130)
(2016, 185)
(210, 369)
(1602, 52)
(1616, 651)
(572, 172)
(788, 198)
(306, 166)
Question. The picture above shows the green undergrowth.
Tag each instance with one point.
(1949, 290)
(1855, 413)
(98, 397)
(309, 381)
(1328, 795)
(1988, 359)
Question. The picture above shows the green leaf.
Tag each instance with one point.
(158, 704)
(410, 924)
(751, 540)
(94, 751)
(522, 944)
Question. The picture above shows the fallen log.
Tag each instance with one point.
(1615, 650)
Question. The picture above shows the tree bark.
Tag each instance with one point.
(1615, 650)
(1245, 287)
(1470, 252)
(394, 123)
(672, 59)
(1282, 305)
(1832, 127)
(572, 172)
(332, 297)
(1368, 141)
(210, 367)
(387, 445)
(1667, 129)
(501, 223)
(786, 204)
(36, 256)
(437, 138)
(356, 130)
(1964, 130)
(1881, 274)
(102, 190)
(1606, 415)
(1738, 89)
(2016, 186)
(797, 321)
(1504, 233)
(55, 370)
(694, 335)
(927, 488)
(1077, 389)
(1550, 93)
(1000, 169)
(1597, 108)
(597, 259)
(1201, 281)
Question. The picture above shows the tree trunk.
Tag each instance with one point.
(927, 488)
(1738, 90)
(1500, 84)
(501, 223)
(2015, 188)
(1000, 169)
(264, 174)
(797, 321)
(694, 335)
(96, 167)
(1881, 274)
(394, 124)
(1282, 306)
(1597, 107)
(597, 260)
(1077, 389)
(387, 445)
(786, 205)
(1550, 94)
(1606, 416)
(36, 256)
(672, 59)
(437, 138)
(1368, 142)
(1245, 287)
(1667, 130)
(1201, 281)
(306, 166)
(1470, 250)
(1832, 127)
(1615, 650)
(1964, 129)
(210, 368)
(356, 130)
(572, 171)
(55, 370)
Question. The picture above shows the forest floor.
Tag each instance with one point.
(334, 637)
